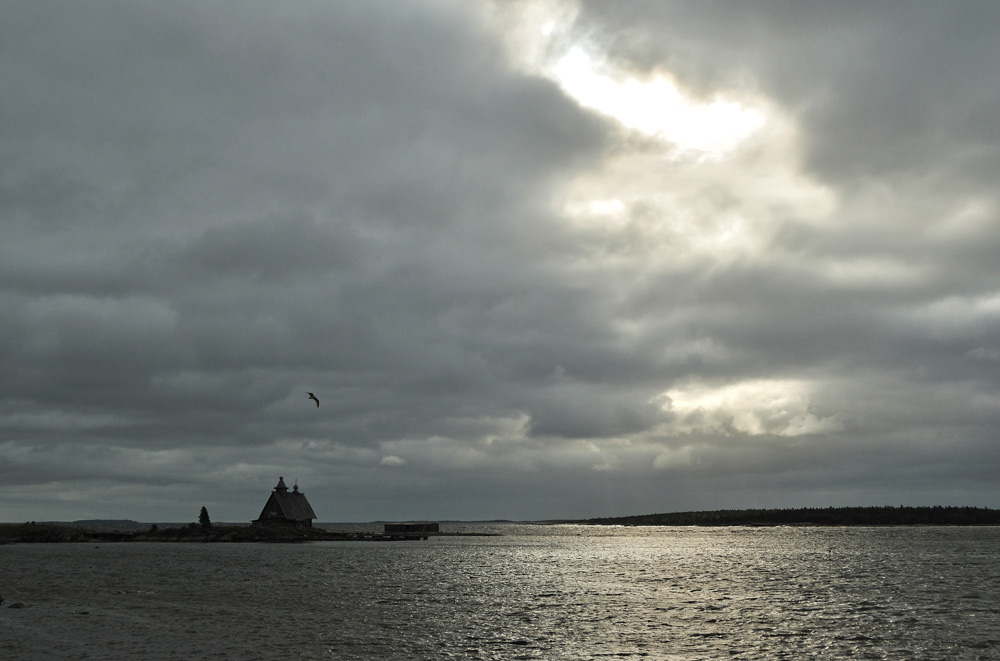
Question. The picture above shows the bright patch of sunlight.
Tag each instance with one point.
(712, 178)
(763, 406)
(610, 207)
(543, 39)
(656, 107)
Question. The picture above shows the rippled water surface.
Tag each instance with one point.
(536, 592)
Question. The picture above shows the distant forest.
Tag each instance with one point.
(830, 516)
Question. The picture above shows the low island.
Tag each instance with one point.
(34, 533)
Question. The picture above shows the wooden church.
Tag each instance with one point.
(286, 509)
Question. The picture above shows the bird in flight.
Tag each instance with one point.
(313, 398)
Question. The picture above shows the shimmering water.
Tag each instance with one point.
(536, 592)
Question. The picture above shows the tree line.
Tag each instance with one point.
(830, 516)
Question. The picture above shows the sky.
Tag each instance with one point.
(537, 259)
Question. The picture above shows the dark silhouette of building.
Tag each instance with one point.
(411, 527)
(286, 509)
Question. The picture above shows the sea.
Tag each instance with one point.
(530, 592)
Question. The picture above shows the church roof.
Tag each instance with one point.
(284, 505)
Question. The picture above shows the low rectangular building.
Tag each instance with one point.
(411, 527)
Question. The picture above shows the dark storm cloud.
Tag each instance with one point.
(209, 210)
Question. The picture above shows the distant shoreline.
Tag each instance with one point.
(123, 530)
(818, 517)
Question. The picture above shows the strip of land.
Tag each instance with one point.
(830, 516)
(41, 533)
(125, 531)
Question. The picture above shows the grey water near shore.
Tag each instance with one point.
(536, 592)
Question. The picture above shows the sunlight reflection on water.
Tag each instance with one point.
(538, 592)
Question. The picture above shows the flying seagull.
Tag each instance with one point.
(313, 398)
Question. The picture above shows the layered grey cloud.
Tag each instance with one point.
(513, 299)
